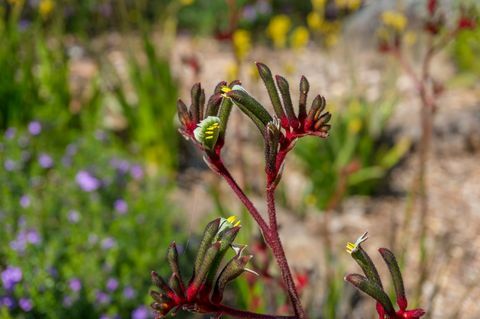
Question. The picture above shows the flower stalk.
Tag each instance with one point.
(206, 127)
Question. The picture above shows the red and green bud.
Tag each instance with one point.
(373, 290)
(203, 270)
(232, 270)
(267, 78)
(287, 101)
(302, 104)
(209, 235)
(251, 107)
(394, 269)
(176, 281)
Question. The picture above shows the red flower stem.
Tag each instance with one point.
(223, 171)
(273, 240)
(225, 310)
(272, 215)
(270, 234)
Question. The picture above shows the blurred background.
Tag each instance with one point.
(95, 180)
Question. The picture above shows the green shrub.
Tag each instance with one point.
(355, 157)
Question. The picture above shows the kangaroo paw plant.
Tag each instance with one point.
(371, 283)
(205, 123)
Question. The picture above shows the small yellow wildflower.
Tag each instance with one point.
(331, 40)
(348, 4)
(354, 125)
(410, 38)
(45, 8)
(186, 2)
(242, 43)
(232, 72)
(277, 30)
(299, 38)
(318, 4)
(394, 19)
(353, 247)
(289, 68)
(314, 21)
(253, 72)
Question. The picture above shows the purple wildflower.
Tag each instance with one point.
(73, 216)
(102, 297)
(87, 181)
(25, 201)
(121, 206)
(9, 165)
(25, 304)
(67, 301)
(25, 237)
(10, 133)
(112, 284)
(7, 301)
(136, 171)
(100, 135)
(33, 237)
(122, 165)
(249, 13)
(71, 150)
(11, 276)
(108, 243)
(34, 127)
(129, 292)
(75, 285)
(45, 160)
(140, 313)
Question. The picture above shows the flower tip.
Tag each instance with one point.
(352, 247)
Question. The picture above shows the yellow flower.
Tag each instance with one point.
(348, 4)
(318, 4)
(232, 72)
(410, 38)
(289, 68)
(355, 125)
(394, 19)
(299, 38)
(253, 72)
(242, 43)
(45, 8)
(353, 247)
(277, 30)
(186, 2)
(314, 21)
(331, 40)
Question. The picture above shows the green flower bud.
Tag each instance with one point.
(207, 132)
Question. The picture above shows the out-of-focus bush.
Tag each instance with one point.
(466, 50)
(80, 225)
(356, 156)
(35, 81)
(147, 97)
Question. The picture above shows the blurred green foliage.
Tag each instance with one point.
(355, 157)
(466, 50)
(150, 113)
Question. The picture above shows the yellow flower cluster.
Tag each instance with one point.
(395, 20)
(348, 4)
(318, 4)
(242, 43)
(45, 8)
(278, 29)
(299, 38)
